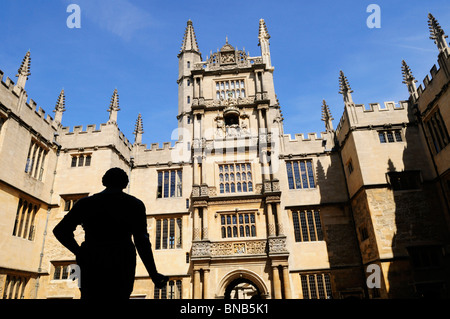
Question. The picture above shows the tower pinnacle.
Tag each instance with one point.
(24, 71)
(138, 130)
(264, 43)
(114, 107)
(60, 106)
(409, 79)
(189, 40)
(437, 34)
(326, 116)
(345, 88)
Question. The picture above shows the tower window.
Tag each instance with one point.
(80, 160)
(230, 89)
(238, 225)
(169, 183)
(390, 136)
(188, 64)
(316, 286)
(36, 160)
(14, 287)
(300, 174)
(168, 233)
(24, 225)
(307, 226)
(437, 131)
(171, 291)
(235, 178)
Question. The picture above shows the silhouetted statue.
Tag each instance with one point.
(107, 257)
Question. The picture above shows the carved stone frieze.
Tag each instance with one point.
(201, 249)
(254, 247)
(277, 245)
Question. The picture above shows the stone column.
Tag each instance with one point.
(196, 171)
(196, 225)
(197, 292)
(270, 220)
(286, 283)
(276, 283)
(280, 224)
(205, 283)
(205, 223)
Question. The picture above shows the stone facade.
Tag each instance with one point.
(236, 207)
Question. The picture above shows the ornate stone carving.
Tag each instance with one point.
(276, 185)
(254, 247)
(201, 249)
(277, 245)
(227, 57)
(195, 191)
(212, 191)
(204, 190)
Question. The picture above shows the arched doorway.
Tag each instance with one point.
(242, 288)
(242, 284)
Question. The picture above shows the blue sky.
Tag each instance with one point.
(133, 46)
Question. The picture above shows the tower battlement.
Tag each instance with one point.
(75, 137)
(15, 100)
(374, 114)
(307, 144)
(438, 74)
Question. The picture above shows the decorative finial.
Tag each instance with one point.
(139, 127)
(263, 33)
(345, 88)
(407, 74)
(138, 130)
(189, 40)
(60, 106)
(436, 33)
(61, 102)
(24, 71)
(344, 85)
(114, 107)
(409, 80)
(326, 113)
(326, 116)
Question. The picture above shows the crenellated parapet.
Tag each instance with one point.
(15, 104)
(169, 154)
(373, 116)
(311, 143)
(93, 138)
(428, 91)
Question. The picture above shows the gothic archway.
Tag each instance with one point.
(242, 288)
(243, 282)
